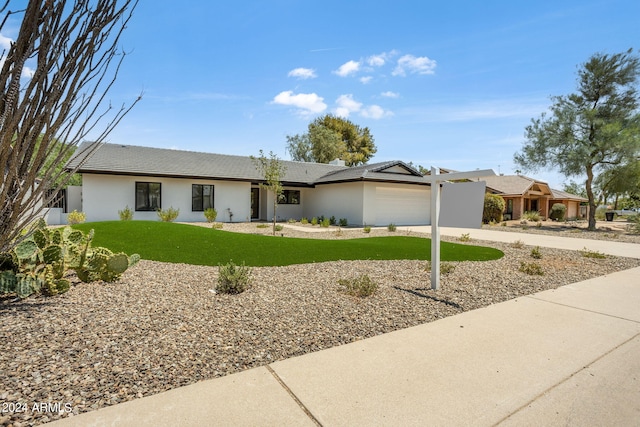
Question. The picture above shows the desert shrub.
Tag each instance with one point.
(304, 221)
(531, 216)
(262, 225)
(503, 223)
(367, 228)
(168, 215)
(445, 267)
(392, 227)
(292, 221)
(535, 253)
(332, 220)
(518, 244)
(325, 223)
(217, 225)
(465, 237)
(531, 268)
(279, 227)
(314, 221)
(634, 226)
(126, 214)
(210, 214)
(361, 286)
(539, 224)
(600, 211)
(76, 217)
(320, 219)
(232, 278)
(493, 207)
(343, 222)
(587, 253)
(558, 211)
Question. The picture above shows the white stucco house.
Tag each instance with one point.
(147, 179)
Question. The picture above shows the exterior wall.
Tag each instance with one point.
(284, 211)
(104, 195)
(573, 207)
(401, 204)
(74, 198)
(342, 200)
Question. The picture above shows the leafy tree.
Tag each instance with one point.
(590, 131)
(619, 181)
(494, 206)
(273, 170)
(54, 79)
(330, 137)
(573, 187)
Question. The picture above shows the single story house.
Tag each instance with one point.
(523, 194)
(146, 179)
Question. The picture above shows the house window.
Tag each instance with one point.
(509, 209)
(148, 196)
(201, 197)
(290, 197)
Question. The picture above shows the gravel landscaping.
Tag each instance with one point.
(162, 326)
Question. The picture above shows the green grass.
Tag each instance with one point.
(181, 243)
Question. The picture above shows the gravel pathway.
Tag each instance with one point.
(162, 327)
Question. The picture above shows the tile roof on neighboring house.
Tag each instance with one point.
(135, 160)
(518, 185)
(558, 194)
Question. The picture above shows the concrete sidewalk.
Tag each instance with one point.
(569, 356)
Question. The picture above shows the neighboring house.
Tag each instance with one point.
(523, 194)
(147, 179)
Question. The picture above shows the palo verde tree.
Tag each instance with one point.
(54, 79)
(272, 170)
(330, 137)
(590, 131)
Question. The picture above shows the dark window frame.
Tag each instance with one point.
(194, 202)
(289, 197)
(149, 206)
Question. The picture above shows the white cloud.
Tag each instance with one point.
(347, 105)
(414, 65)
(366, 79)
(309, 102)
(389, 94)
(376, 60)
(348, 68)
(375, 112)
(28, 72)
(303, 73)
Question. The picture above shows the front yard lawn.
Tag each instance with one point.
(181, 243)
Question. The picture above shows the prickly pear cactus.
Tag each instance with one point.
(118, 263)
(26, 249)
(52, 253)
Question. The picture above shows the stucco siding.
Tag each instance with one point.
(104, 195)
(343, 200)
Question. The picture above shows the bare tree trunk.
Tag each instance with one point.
(590, 196)
(54, 82)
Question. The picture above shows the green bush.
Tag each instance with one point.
(634, 226)
(210, 214)
(535, 253)
(558, 211)
(217, 225)
(325, 223)
(518, 244)
(291, 221)
(531, 268)
(531, 216)
(392, 227)
(493, 208)
(465, 237)
(343, 222)
(126, 214)
(168, 215)
(361, 286)
(367, 228)
(262, 225)
(232, 278)
(332, 220)
(304, 221)
(279, 227)
(445, 267)
(76, 217)
(587, 253)
(314, 221)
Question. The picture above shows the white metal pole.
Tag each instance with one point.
(435, 229)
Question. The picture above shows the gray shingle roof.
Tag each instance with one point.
(559, 194)
(135, 160)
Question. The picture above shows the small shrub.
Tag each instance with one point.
(535, 253)
(126, 214)
(600, 213)
(232, 278)
(539, 224)
(367, 228)
(332, 220)
(168, 215)
(634, 226)
(445, 267)
(262, 225)
(531, 268)
(292, 221)
(325, 223)
(503, 223)
(493, 208)
(587, 253)
(558, 211)
(76, 217)
(279, 227)
(304, 221)
(320, 219)
(217, 225)
(392, 227)
(466, 237)
(518, 244)
(210, 214)
(314, 221)
(531, 216)
(343, 222)
(361, 286)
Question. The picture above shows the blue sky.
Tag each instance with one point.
(451, 84)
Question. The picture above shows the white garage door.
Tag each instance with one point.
(402, 206)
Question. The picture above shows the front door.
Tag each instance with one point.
(255, 203)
